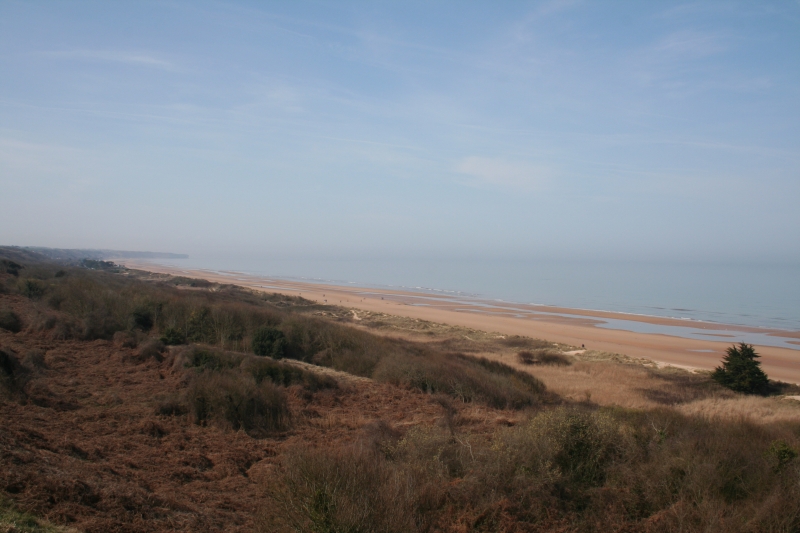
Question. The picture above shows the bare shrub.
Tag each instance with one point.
(348, 489)
(543, 357)
(151, 349)
(13, 375)
(10, 321)
(34, 359)
(153, 429)
(571, 469)
(61, 328)
(126, 339)
(171, 407)
(96, 301)
(237, 402)
(379, 436)
(99, 324)
(578, 444)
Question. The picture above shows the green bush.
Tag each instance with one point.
(31, 288)
(741, 372)
(10, 321)
(269, 342)
(173, 337)
(780, 454)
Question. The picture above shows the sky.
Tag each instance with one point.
(634, 130)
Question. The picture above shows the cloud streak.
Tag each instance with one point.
(112, 56)
(494, 172)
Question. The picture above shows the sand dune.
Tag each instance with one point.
(578, 329)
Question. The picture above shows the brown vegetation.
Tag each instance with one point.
(406, 426)
(543, 357)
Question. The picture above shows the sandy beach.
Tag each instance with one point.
(575, 327)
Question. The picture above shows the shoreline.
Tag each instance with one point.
(594, 329)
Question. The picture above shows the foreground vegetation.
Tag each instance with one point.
(567, 468)
(505, 453)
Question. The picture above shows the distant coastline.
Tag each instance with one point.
(749, 295)
(668, 341)
(77, 254)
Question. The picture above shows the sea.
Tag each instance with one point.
(765, 295)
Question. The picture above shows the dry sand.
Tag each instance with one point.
(533, 321)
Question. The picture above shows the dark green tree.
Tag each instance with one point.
(199, 327)
(11, 267)
(269, 341)
(740, 371)
(143, 318)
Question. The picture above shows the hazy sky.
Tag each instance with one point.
(592, 129)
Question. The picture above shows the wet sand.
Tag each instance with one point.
(580, 327)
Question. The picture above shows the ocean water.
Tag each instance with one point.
(749, 294)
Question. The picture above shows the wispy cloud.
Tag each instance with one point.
(112, 56)
(678, 63)
(503, 173)
(690, 44)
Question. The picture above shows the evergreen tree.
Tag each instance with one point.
(269, 341)
(740, 371)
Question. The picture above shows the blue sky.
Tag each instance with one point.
(640, 130)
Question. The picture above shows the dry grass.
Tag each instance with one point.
(752, 408)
